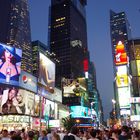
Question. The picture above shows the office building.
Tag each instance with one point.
(68, 37)
(15, 28)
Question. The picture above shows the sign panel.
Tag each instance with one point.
(124, 97)
(46, 72)
(10, 63)
(138, 67)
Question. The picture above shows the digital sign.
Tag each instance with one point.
(16, 101)
(46, 72)
(80, 112)
(121, 55)
(133, 68)
(10, 64)
(138, 67)
(124, 97)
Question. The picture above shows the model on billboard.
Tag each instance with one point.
(14, 103)
(9, 69)
(45, 75)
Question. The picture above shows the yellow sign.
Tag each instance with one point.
(138, 67)
(122, 80)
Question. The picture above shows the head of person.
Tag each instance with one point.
(81, 133)
(125, 129)
(93, 133)
(55, 136)
(12, 93)
(30, 135)
(4, 133)
(43, 133)
(19, 97)
(9, 54)
(74, 130)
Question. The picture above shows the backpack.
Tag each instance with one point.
(69, 137)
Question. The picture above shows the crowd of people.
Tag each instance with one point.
(125, 133)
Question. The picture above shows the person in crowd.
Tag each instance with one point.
(93, 135)
(23, 134)
(136, 135)
(124, 133)
(8, 106)
(43, 135)
(36, 136)
(62, 134)
(55, 136)
(81, 134)
(49, 134)
(9, 69)
(30, 135)
(5, 135)
(74, 132)
(113, 135)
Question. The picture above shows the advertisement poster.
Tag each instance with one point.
(10, 64)
(46, 72)
(124, 93)
(16, 101)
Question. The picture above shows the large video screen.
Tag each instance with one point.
(16, 101)
(10, 64)
(124, 97)
(46, 72)
(74, 87)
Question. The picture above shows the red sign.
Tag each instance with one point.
(85, 65)
(120, 56)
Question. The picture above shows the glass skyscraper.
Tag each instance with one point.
(68, 37)
(15, 28)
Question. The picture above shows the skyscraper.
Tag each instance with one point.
(119, 30)
(120, 34)
(15, 28)
(68, 37)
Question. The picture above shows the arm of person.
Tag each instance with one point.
(47, 76)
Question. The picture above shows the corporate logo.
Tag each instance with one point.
(24, 79)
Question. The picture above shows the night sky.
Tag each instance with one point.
(98, 31)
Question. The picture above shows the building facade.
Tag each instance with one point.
(15, 28)
(120, 32)
(68, 37)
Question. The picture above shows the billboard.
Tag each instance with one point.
(10, 63)
(124, 97)
(135, 109)
(73, 87)
(121, 76)
(16, 101)
(80, 112)
(46, 72)
(133, 68)
(120, 55)
(138, 67)
(28, 81)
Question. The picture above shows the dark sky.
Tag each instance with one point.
(98, 30)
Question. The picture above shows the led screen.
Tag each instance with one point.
(16, 101)
(79, 111)
(122, 81)
(46, 72)
(10, 63)
(124, 97)
(138, 67)
(121, 70)
(135, 109)
(73, 87)
(120, 56)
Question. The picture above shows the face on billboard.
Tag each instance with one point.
(10, 62)
(46, 72)
(16, 101)
(124, 97)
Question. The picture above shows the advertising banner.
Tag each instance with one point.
(122, 81)
(10, 63)
(133, 68)
(28, 81)
(138, 67)
(80, 112)
(16, 101)
(124, 97)
(46, 72)
(120, 56)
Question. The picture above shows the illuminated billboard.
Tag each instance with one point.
(80, 112)
(46, 72)
(120, 55)
(28, 81)
(10, 63)
(124, 97)
(16, 101)
(73, 87)
(121, 76)
(138, 67)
